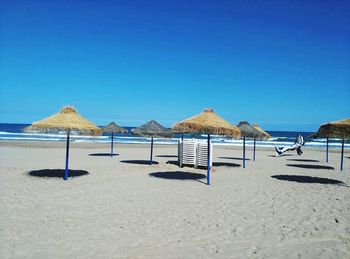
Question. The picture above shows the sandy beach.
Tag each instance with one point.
(121, 207)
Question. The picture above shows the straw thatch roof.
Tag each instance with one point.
(66, 120)
(207, 122)
(152, 129)
(249, 131)
(263, 132)
(336, 129)
(112, 127)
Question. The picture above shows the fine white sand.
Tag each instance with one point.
(119, 210)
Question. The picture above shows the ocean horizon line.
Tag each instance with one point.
(14, 132)
(131, 127)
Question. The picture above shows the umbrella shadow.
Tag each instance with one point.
(233, 158)
(303, 160)
(281, 155)
(308, 179)
(179, 175)
(169, 156)
(139, 162)
(226, 164)
(306, 166)
(103, 154)
(58, 173)
(173, 162)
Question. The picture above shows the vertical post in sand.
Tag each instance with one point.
(327, 150)
(254, 150)
(342, 155)
(112, 145)
(67, 157)
(208, 161)
(243, 152)
(151, 158)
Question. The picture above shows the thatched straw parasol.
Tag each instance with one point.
(207, 122)
(263, 132)
(248, 131)
(152, 129)
(337, 129)
(113, 128)
(66, 120)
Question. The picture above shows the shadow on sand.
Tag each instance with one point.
(303, 160)
(178, 175)
(103, 154)
(307, 179)
(226, 164)
(139, 162)
(173, 162)
(233, 158)
(311, 166)
(280, 156)
(58, 173)
(169, 156)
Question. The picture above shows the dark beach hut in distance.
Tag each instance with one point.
(207, 122)
(152, 129)
(337, 129)
(113, 129)
(66, 120)
(248, 131)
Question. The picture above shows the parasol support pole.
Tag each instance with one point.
(151, 158)
(67, 157)
(112, 145)
(243, 152)
(254, 150)
(342, 155)
(182, 136)
(208, 161)
(327, 150)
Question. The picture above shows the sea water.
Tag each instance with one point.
(14, 132)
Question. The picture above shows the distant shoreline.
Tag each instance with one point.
(87, 145)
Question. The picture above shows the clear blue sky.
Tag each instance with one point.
(282, 64)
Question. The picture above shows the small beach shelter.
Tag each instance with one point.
(152, 129)
(337, 129)
(207, 122)
(66, 120)
(248, 131)
(113, 128)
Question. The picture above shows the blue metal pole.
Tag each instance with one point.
(327, 150)
(254, 151)
(67, 157)
(342, 155)
(208, 160)
(182, 136)
(151, 159)
(243, 152)
(112, 145)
